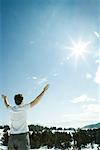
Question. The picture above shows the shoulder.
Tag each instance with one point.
(26, 106)
(10, 107)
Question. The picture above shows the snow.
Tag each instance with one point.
(3, 148)
(44, 148)
(1, 133)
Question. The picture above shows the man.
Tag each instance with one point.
(19, 138)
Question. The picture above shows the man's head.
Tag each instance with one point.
(18, 99)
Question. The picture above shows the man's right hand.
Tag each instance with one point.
(46, 87)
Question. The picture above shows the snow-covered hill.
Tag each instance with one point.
(44, 148)
(92, 126)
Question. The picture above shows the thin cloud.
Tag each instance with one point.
(55, 74)
(61, 63)
(65, 60)
(97, 61)
(34, 78)
(97, 76)
(81, 119)
(97, 34)
(89, 113)
(37, 80)
(94, 108)
(89, 76)
(82, 98)
(40, 81)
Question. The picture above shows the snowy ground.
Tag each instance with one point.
(88, 148)
(44, 148)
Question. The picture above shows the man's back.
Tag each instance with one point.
(18, 119)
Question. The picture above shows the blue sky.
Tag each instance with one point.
(38, 39)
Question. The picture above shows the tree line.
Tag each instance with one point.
(57, 137)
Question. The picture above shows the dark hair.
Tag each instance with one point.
(18, 99)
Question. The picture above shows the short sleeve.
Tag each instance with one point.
(10, 107)
(27, 106)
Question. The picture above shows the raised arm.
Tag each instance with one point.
(38, 98)
(5, 101)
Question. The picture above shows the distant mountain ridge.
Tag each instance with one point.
(92, 126)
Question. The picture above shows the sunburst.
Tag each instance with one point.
(79, 49)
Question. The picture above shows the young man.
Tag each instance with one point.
(19, 138)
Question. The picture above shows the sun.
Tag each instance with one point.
(79, 49)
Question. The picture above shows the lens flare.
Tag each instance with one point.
(79, 49)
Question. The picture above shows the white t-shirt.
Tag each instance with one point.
(18, 118)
